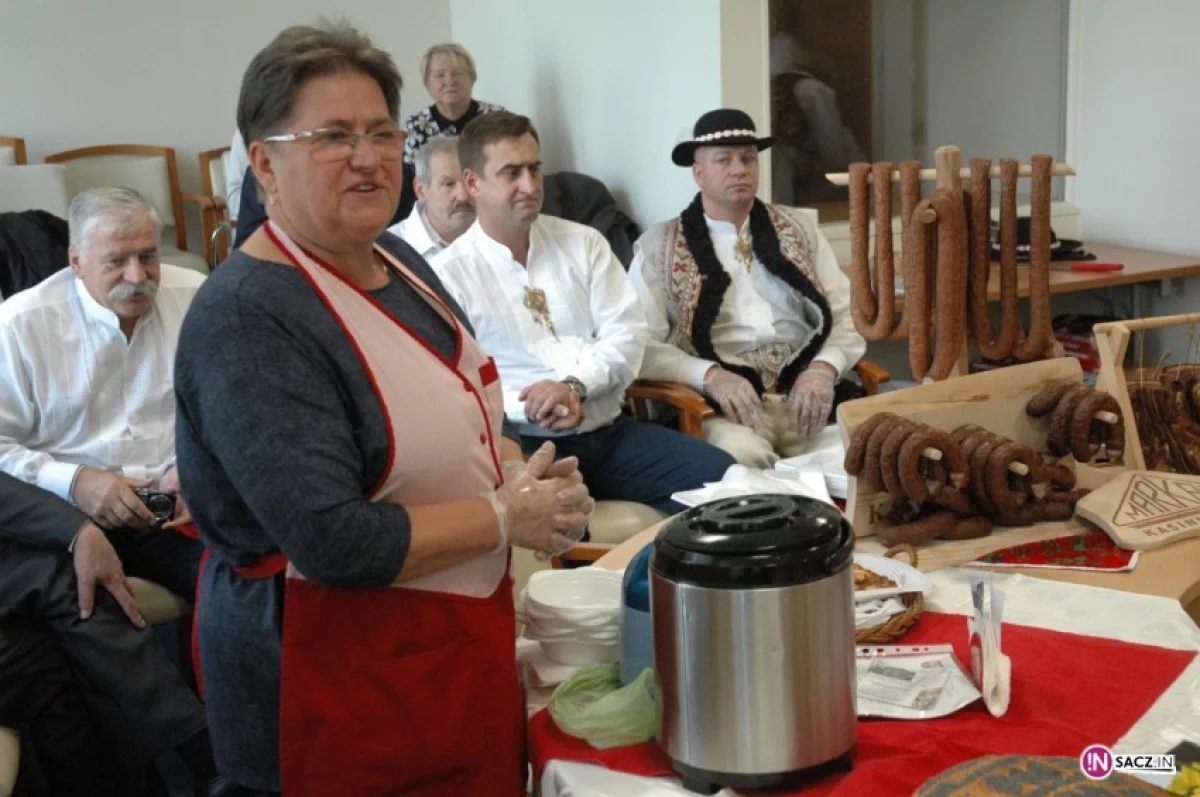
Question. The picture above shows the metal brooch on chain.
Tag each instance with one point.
(535, 301)
(744, 250)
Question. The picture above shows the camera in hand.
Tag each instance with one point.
(161, 505)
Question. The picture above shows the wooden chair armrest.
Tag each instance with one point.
(205, 202)
(692, 407)
(583, 553)
(872, 375)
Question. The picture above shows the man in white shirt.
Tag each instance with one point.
(235, 172)
(745, 301)
(551, 303)
(87, 412)
(443, 210)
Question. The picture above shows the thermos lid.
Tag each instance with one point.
(755, 541)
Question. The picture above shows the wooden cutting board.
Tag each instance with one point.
(1144, 510)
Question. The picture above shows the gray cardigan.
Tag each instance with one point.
(279, 437)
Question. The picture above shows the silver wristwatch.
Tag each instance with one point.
(579, 387)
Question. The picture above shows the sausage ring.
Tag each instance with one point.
(1054, 507)
(957, 501)
(1002, 495)
(1058, 438)
(872, 307)
(1034, 345)
(1060, 476)
(901, 512)
(979, 460)
(909, 469)
(918, 531)
(968, 528)
(889, 456)
(964, 431)
(857, 450)
(992, 346)
(951, 279)
(1047, 398)
(1087, 433)
(910, 196)
(1025, 516)
(870, 472)
(1084, 438)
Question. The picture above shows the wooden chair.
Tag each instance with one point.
(12, 151)
(42, 186)
(215, 225)
(150, 171)
(692, 410)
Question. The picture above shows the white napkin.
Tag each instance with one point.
(991, 669)
(868, 614)
(740, 480)
(827, 453)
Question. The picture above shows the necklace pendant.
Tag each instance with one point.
(535, 301)
(744, 251)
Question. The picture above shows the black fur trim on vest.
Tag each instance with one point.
(716, 282)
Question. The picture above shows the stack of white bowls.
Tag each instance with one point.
(575, 615)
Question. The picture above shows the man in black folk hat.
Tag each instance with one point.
(745, 301)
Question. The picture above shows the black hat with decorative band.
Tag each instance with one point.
(723, 127)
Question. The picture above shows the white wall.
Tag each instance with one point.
(995, 77)
(611, 86)
(76, 73)
(1137, 136)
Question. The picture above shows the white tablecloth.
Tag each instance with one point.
(1036, 602)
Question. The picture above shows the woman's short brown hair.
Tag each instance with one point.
(298, 54)
(487, 129)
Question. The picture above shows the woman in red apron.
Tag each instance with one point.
(341, 443)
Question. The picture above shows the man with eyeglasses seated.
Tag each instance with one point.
(443, 210)
(87, 412)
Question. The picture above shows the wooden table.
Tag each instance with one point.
(1140, 266)
(1171, 572)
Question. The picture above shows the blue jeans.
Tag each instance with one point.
(631, 460)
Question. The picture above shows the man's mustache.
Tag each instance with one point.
(462, 207)
(124, 291)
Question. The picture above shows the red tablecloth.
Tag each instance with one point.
(1068, 691)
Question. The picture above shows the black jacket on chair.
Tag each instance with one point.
(580, 198)
(33, 245)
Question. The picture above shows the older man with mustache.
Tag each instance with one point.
(87, 412)
(444, 210)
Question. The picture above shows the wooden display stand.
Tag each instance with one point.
(1112, 344)
(994, 400)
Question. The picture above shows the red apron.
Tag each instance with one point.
(411, 689)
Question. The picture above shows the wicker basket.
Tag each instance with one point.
(897, 625)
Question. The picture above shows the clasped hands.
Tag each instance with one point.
(542, 505)
(552, 405)
(808, 402)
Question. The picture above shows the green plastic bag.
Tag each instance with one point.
(593, 706)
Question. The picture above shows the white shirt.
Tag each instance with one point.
(601, 331)
(417, 233)
(74, 392)
(759, 309)
(235, 171)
